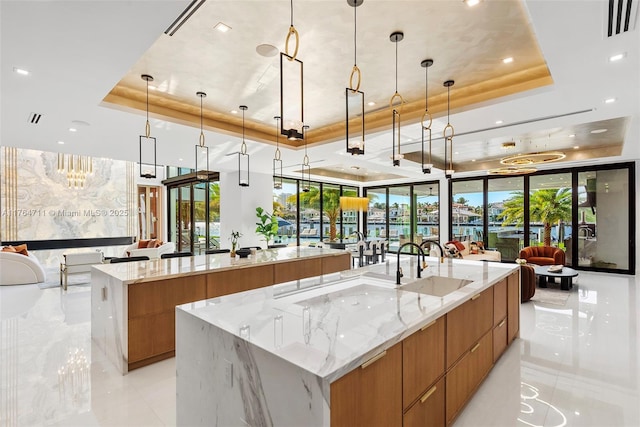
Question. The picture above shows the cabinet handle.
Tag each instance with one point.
(475, 347)
(428, 325)
(428, 394)
(374, 359)
(475, 297)
(502, 323)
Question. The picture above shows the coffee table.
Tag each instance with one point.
(566, 276)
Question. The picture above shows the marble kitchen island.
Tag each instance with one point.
(133, 304)
(346, 349)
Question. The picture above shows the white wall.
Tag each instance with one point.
(238, 207)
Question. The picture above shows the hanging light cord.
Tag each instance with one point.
(426, 88)
(147, 128)
(277, 153)
(201, 131)
(396, 67)
(292, 13)
(355, 32)
(243, 147)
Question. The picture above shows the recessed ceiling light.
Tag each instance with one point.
(598, 130)
(222, 27)
(508, 145)
(73, 130)
(371, 103)
(61, 142)
(575, 147)
(180, 159)
(456, 153)
(499, 122)
(573, 135)
(507, 60)
(617, 57)
(473, 160)
(609, 100)
(471, 3)
(21, 71)
(266, 50)
(234, 111)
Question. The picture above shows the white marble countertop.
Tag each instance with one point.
(144, 271)
(330, 324)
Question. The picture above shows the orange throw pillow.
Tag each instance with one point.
(22, 249)
(143, 244)
(152, 243)
(9, 249)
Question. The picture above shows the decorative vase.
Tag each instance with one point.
(233, 251)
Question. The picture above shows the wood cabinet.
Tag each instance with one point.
(231, 281)
(295, 270)
(467, 323)
(370, 395)
(467, 374)
(513, 306)
(151, 316)
(428, 411)
(422, 360)
(499, 318)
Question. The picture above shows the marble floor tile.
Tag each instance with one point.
(574, 365)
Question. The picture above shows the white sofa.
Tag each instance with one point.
(132, 250)
(18, 269)
(485, 255)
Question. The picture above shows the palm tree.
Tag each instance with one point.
(330, 204)
(547, 206)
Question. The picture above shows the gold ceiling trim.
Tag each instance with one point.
(532, 158)
(186, 113)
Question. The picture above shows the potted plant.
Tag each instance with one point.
(235, 235)
(267, 225)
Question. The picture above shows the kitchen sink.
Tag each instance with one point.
(435, 285)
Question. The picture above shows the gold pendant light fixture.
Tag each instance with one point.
(306, 168)
(448, 134)
(243, 157)
(76, 168)
(396, 156)
(277, 161)
(426, 120)
(355, 97)
(202, 151)
(148, 162)
(291, 87)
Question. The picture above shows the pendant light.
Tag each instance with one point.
(355, 97)
(147, 143)
(291, 87)
(243, 157)
(202, 151)
(426, 117)
(306, 168)
(396, 156)
(448, 133)
(277, 161)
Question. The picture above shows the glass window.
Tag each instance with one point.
(603, 219)
(505, 199)
(467, 210)
(427, 212)
(331, 211)
(285, 206)
(349, 224)
(310, 216)
(399, 217)
(376, 226)
(550, 211)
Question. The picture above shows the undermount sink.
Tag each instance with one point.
(435, 285)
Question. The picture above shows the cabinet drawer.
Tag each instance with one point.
(428, 410)
(467, 323)
(422, 360)
(370, 395)
(463, 379)
(499, 339)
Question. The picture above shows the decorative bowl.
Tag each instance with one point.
(243, 253)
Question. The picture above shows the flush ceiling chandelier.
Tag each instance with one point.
(532, 158)
(511, 170)
(76, 168)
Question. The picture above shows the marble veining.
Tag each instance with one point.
(145, 271)
(329, 329)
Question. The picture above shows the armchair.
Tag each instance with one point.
(18, 269)
(152, 252)
(543, 255)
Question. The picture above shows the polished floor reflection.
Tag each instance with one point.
(575, 364)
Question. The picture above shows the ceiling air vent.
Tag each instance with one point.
(622, 16)
(34, 118)
(184, 16)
